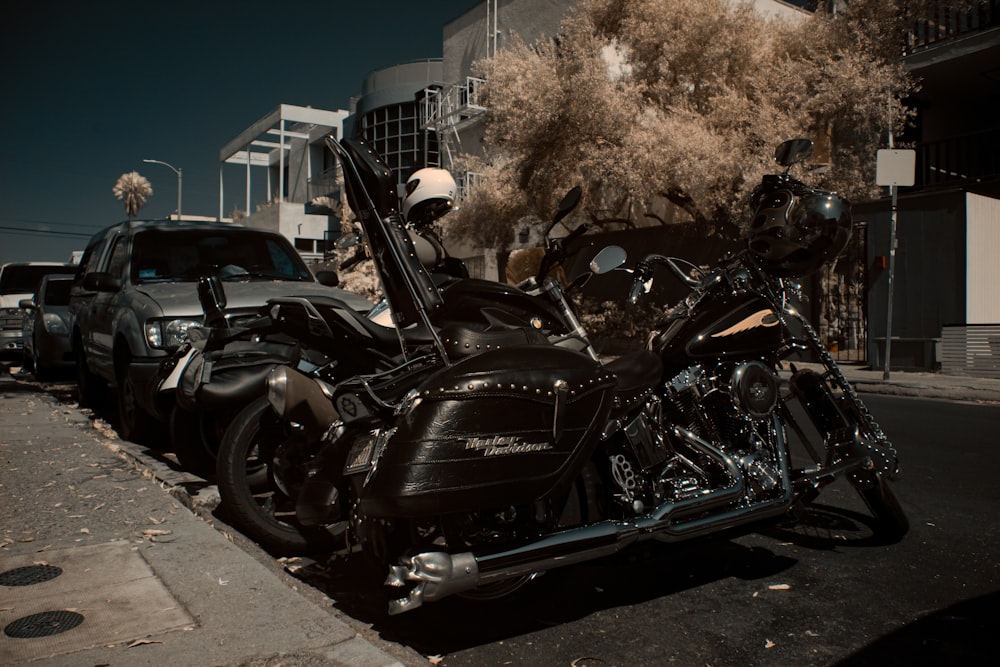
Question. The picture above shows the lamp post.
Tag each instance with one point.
(179, 182)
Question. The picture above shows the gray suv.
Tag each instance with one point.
(136, 293)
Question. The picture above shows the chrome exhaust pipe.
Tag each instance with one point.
(439, 574)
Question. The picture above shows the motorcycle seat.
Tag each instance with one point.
(461, 342)
(637, 375)
(338, 316)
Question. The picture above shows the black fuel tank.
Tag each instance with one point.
(731, 326)
(498, 429)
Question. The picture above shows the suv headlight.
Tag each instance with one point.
(54, 324)
(168, 334)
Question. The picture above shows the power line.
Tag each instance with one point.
(45, 232)
(30, 221)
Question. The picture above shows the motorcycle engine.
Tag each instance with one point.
(728, 405)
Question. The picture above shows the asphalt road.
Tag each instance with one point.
(820, 592)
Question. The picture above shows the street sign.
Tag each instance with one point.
(895, 167)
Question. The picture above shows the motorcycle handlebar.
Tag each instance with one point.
(555, 251)
(638, 288)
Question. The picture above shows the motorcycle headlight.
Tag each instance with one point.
(54, 325)
(168, 334)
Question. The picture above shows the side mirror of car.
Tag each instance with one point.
(328, 278)
(101, 282)
(26, 304)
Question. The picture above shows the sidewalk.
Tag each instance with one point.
(101, 564)
(917, 384)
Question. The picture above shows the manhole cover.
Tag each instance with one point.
(30, 574)
(45, 624)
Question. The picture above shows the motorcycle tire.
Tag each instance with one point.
(891, 522)
(252, 503)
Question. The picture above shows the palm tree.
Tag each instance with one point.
(134, 190)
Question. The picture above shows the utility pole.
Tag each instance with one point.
(177, 171)
(893, 168)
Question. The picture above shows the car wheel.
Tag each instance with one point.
(134, 423)
(90, 389)
(42, 372)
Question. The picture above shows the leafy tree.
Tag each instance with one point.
(134, 190)
(647, 102)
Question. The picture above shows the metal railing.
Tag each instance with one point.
(942, 20)
(965, 159)
(324, 183)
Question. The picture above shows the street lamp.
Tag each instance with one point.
(179, 182)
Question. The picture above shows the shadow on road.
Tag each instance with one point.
(962, 634)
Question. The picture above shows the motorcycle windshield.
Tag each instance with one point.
(408, 287)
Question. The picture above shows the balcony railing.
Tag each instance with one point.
(324, 183)
(452, 106)
(942, 20)
(966, 159)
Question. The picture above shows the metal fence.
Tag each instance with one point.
(971, 349)
(945, 19)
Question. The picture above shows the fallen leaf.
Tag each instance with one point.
(434, 659)
(85, 531)
(140, 642)
(154, 532)
(769, 644)
(779, 587)
(155, 522)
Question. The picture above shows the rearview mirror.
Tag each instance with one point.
(793, 151)
(328, 278)
(608, 259)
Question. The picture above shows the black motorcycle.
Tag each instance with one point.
(471, 467)
(268, 466)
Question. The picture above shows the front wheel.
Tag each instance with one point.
(90, 389)
(255, 503)
(134, 423)
(891, 522)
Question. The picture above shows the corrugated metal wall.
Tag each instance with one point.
(983, 264)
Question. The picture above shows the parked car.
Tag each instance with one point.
(18, 281)
(136, 294)
(46, 327)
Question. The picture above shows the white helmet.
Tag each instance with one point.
(430, 193)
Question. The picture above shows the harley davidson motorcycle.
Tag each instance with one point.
(472, 466)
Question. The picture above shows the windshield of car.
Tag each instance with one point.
(160, 255)
(56, 291)
(23, 278)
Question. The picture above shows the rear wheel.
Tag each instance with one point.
(257, 504)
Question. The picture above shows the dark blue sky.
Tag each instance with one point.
(89, 89)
